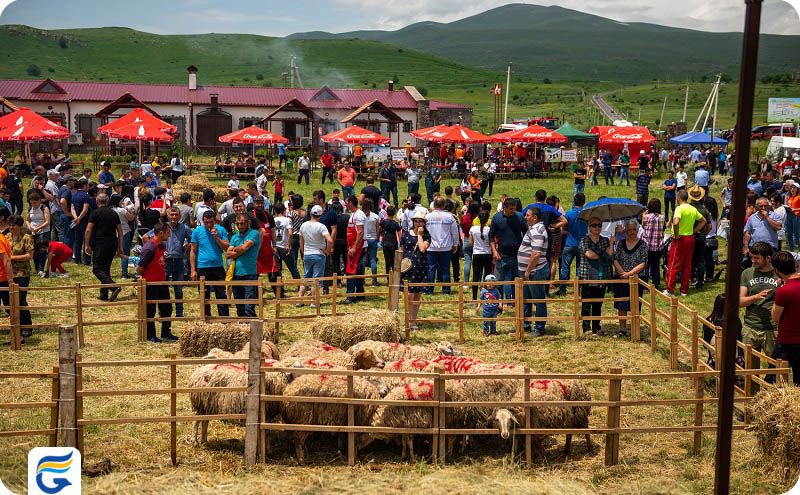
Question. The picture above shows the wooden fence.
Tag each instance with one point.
(608, 409)
(51, 430)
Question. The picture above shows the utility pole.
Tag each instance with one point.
(508, 90)
(661, 119)
(686, 101)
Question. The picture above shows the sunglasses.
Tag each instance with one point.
(596, 225)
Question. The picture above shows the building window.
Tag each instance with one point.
(87, 125)
(179, 122)
(407, 126)
(249, 121)
(392, 127)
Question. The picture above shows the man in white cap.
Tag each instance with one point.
(56, 225)
(316, 244)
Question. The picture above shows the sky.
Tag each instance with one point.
(281, 17)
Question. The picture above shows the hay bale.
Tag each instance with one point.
(196, 182)
(776, 423)
(347, 330)
(203, 336)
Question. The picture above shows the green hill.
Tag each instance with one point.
(558, 43)
(122, 54)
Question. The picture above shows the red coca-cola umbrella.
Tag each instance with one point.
(139, 126)
(623, 135)
(422, 133)
(253, 135)
(138, 116)
(457, 134)
(531, 134)
(355, 135)
(26, 116)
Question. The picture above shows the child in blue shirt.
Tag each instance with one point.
(491, 308)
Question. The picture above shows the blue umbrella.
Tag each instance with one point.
(697, 138)
(611, 209)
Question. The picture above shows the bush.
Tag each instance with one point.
(259, 77)
(547, 81)
(33, 70)
(63, 43)
(423, 91)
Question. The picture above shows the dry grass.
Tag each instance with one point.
(345, 331)
(776, 421)
(652, 463)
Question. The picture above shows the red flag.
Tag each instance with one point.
(497, 89)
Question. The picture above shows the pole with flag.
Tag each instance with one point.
(496, 92)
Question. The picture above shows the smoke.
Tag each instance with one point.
(316, 73)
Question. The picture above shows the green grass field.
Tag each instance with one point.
(652, 463)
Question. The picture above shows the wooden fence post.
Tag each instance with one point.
(263, 435)
(79, 314)
(527, 424)
(260, 297)
(673, 333)
(335, 294)
(749, 387)
(695, 342)
(460, 314)
(406, 304)
(173, 411)
(14, 314)
(253, 398)
(67, 351)
(612, 439)
(79, 400)
(441, 412)
(519, 297)
(141, 310)
(576, 307)
(634, 303)
(278, 306)
(653, 319)
(699, 389)
(201, 292)
(351, 421)
(782, 379)
(718, 351)
(394, 282)
(54, 410)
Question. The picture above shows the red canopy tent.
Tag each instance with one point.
(26, 125)
(531, 134)
(615, 139)
(457, 134)
(355, 135)
(139, 126)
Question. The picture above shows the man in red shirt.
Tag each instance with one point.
(327, 165)
(786, 311)
(152, 268)
(347, 179)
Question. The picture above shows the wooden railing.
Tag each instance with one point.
(9, 407)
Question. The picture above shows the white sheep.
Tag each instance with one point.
(392, 352)
(404, 417)
(219, 402)
(319, 413)
(309, 348)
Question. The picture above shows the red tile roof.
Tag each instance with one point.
(228, 95)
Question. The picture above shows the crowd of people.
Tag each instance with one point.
(95, 219)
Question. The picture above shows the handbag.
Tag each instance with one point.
(712, 243)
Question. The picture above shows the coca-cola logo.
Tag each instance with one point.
(256, 136)
(50, 132)
(627, 136)
(360, 136)
(537, 134)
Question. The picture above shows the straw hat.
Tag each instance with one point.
(419, 215)
(696, 193)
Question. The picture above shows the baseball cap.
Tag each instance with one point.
(490, 278)
(316, 211)
(68, 177)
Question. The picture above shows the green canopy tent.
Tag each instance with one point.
(574, 134)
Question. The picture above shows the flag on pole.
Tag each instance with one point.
(497, 90)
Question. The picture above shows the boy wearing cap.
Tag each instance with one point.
(491, 308)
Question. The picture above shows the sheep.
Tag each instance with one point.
(392, 352)
(218, 402)
(309, 348)
(268, 351)
(404, 417)
(326, 413)
(456, 364)
(550, 416)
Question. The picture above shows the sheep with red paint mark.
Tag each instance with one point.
(321, 413)
(391, 416)
(220, 402)
(389, 351)
(310, 348)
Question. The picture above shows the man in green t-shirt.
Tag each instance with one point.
(757, 295)
(686, 222)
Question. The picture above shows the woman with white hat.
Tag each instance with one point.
(413, 246)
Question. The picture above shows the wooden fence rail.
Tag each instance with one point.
(51, 431)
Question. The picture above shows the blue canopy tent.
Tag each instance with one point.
(697, 138)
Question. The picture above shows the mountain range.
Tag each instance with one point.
(558, 43)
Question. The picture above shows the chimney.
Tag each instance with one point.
(214, 100)
(390, 87)
(192, 77)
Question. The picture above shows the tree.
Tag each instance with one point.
(259, 77)
(547, 81)
(726, 78)
(396, 78)
(423, 91)
(33, 70)
(63, 43)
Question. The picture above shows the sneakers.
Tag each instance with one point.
(42, 274)
(168, 336)
(349, 301)
(154, 340)
(114, 294)
(666, 293)
(538, 332)
(683, 294)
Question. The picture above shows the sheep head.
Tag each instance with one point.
(378, 384)
(366, 359)
(505, 421)
(446, 348)
(269, 350)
